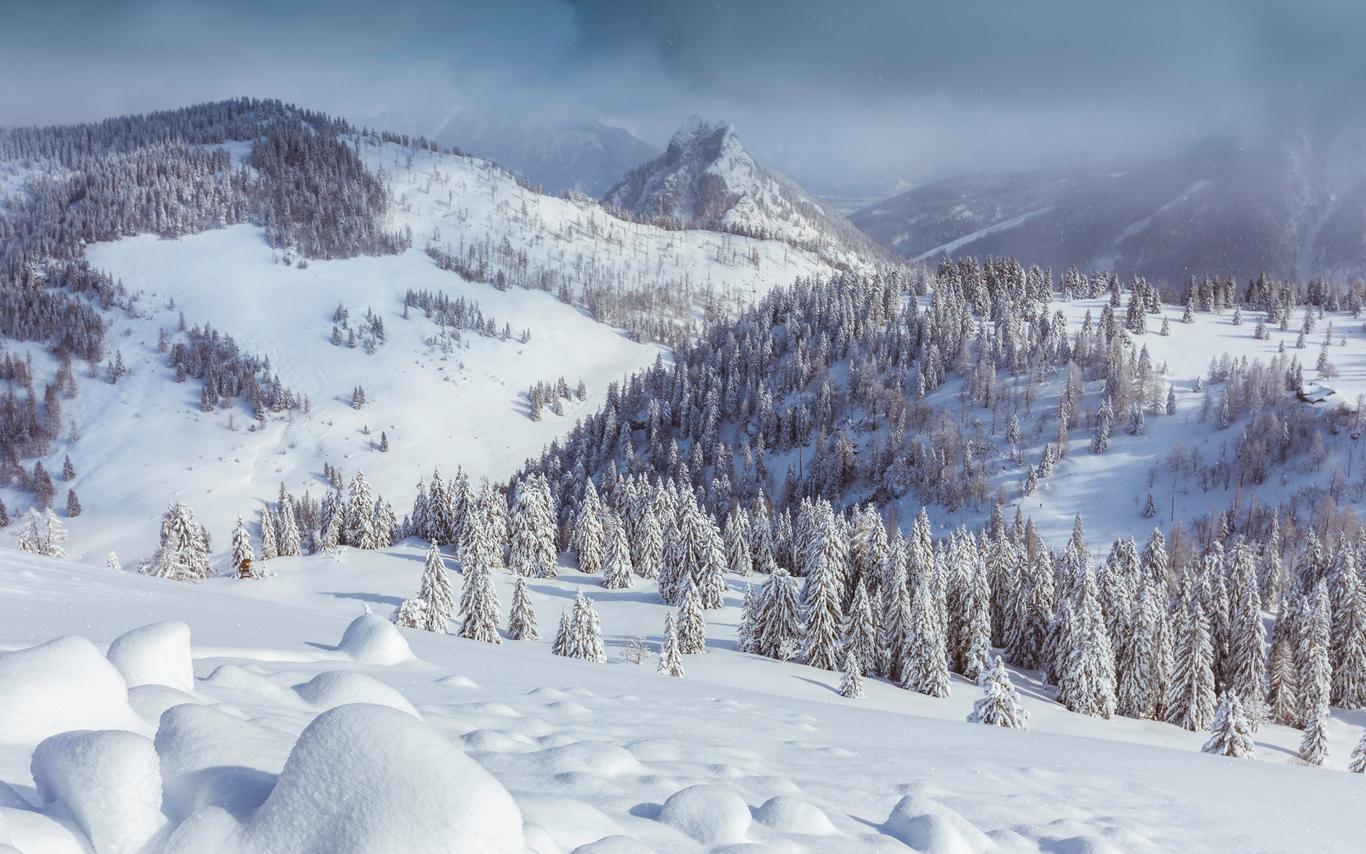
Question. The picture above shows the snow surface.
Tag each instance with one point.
(532, 750)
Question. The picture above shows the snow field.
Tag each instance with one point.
(742, 751)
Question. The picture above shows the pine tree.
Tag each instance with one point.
(926, 667)
(1000, 702)
(859, 633)
(585, 632)
(617, 572)
(737, 535)
(522, 621)
(532, 551)
(822, 597)
(1190, 695)
(1231, 733)
(411, 614)
(1137, 656)
(1348, 649)
(1245, 673)
(183, 554)
(560, 646)
(589, 539)
(1358, 761)
(851, 683)
(1314, 746)
(241, 545)
(288, 539)
(359, 527)
(68, 470)
(73, 504)
(670, 659)
(269, 547)
(1086, 682)
(479, 611)
(692, 627)
(112, 562)
(434, 591)
(778, 628)
(1311, 657)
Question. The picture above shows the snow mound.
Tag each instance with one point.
(455, 680)
(570, 822)
(614, 845)
(792, 815)
(108, 781)
(365, 778)
(61, 685)
(238, 679)
(30, 831)
(593, 757)
(371, 639)
(709, 814)
(151, 701)
(156, 654)
(206, 753)
(333, 688)
(929, 826)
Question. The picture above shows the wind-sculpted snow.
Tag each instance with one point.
(598, 758)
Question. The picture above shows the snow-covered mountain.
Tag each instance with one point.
(706, 178)
(1283, 193)
(580, 154)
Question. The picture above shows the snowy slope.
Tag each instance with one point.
(586, 751)
(706, 177)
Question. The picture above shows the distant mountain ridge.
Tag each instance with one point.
(1283, 194)
(707, 179)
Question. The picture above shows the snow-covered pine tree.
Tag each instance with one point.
(183, 555)
(973, 645)
(737, 535)
(112, 562)
(1357, 765)
(1245, 667)
(411, 614)
(926, 666)
(479, 612)
(859, 633)
(1190, 693)
(1086, 683)
(1137, 655)
(434, 592)
(288, 540)
(560, 645)
(493, 513)
(359, 524)
(532, 550)
(1311, 657)
(522, 620)
(895, 607)
(241, 545)
(778, 630)
(1314, 745)
(1231, 732)
(647, 551)
(851, 681)
(670, 659)
(589, 539)
(1348, 651)
(585, 632)
(823, 595)
(692, 626)
(270, 548)
(1000, 702)
(617, 571)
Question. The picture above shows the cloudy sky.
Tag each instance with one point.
(857, 93)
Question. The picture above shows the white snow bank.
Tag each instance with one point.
(30, 831)
(793, 815)
(928, 825)
(333, 688)
(365, 778)
(371, 639)
(109, 782)
(157, 654)
(61, 685)
(151, 701)
(239, 680)
(209, 758)
(709, 814)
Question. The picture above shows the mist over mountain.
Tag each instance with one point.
(579, 154)
(1283, 194)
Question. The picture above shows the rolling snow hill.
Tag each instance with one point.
(706, 178)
